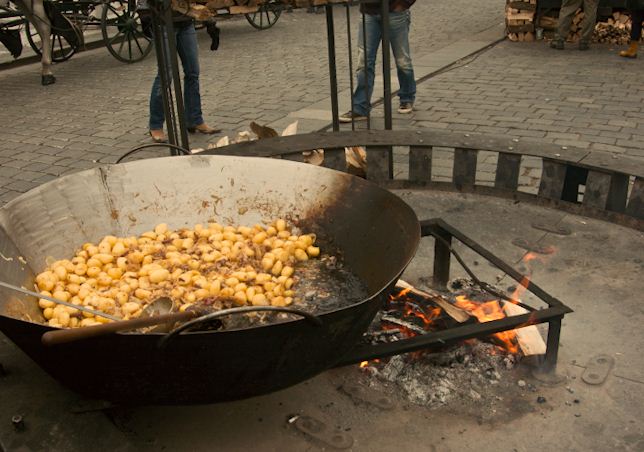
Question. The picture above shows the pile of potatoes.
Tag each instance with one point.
(121, 275)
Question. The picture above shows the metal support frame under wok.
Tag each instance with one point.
(168, 67)
(444, 234)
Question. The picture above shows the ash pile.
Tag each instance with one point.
(470, 373)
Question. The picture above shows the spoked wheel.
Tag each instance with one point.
(61, 48)
(122, 31)
(266, 16)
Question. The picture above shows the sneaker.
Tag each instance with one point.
(405, 107)
(352, 116)
(583, 45)
(557, 44)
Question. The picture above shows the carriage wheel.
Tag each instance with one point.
(61, 49)
(122, 31)
(266, 16)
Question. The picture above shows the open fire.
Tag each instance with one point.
(460, 344)
(411, 312)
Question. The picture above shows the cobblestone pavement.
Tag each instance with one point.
(587, 99)
(98, 108)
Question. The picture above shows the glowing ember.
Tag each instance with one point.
(364, 364)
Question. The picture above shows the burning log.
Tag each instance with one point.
(529, 338)
(403, 323)
(454, 312)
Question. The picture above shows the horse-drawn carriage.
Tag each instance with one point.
(60, 25)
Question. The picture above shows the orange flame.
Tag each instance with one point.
(486, 312)
(401, 294)
(365, 364)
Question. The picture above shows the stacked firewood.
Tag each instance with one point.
(615, 30)
(519, 19)
(205, 9)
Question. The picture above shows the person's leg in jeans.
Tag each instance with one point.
(364, 89)
(568, 8)
(588, 25)
(188, 51)
(399, 23)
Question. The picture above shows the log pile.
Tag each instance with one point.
(615, 30)
(519, 19)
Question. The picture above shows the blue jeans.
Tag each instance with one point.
(399, 23)
(189, 54)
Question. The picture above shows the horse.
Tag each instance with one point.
(34, 11)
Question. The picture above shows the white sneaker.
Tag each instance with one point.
(405, 107)
(351, 116)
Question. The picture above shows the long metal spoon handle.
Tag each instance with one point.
(55, 300)
(315, 320)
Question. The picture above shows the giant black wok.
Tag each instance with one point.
(375, 231)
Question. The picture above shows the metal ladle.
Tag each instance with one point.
(156, 313)
(55, 300)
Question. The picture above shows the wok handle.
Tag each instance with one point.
(76, 334)
(215, 315)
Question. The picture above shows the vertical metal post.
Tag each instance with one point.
(364, 57)
(552, 351)
(386, 63)
(333, 78)
(353, 123)
(165, 43)
(442, 258)
(386, 78)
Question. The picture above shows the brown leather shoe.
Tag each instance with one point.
(631, 52)
(203, 128)
(158, 136)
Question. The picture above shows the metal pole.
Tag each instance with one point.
(180, 118)
(333, 78)
(161, 50)
(552, 351)
(442, 258)
(353, 123)
(173, 106)
(386, 64)
(366, 72)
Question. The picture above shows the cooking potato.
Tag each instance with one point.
(242, 265)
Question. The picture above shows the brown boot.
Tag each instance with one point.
(631, 52)
(158, 136)
(203, 128)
